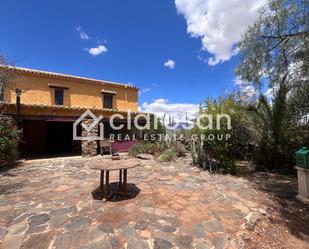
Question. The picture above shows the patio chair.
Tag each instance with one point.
(105, 145)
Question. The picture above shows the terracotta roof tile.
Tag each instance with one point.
(67, 76)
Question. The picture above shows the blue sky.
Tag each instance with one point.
(135, 39)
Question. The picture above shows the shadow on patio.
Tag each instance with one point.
(282, 190)
(131, 192)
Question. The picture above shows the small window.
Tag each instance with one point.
(59, 96)
(108, 101)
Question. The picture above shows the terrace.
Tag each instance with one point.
(52, 203)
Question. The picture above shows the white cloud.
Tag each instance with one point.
(238, 81)
(200, 58)
(170, 64)
(96, 50)
(145, 90)
(247, 90)
(176, 110)
(82, 34)
(219, 24)
(269, 93)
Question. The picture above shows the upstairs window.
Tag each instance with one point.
(59, 96)
(108, 101)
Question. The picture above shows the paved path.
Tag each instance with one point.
(48, 204)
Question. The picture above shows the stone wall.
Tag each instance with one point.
(89, 147)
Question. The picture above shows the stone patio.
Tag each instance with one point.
(49, 204)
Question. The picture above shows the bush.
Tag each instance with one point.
(147, 148)
(278, 133)
(223, 151)
(167, 156)
(166, 153)
(136, 149)
(179, 149)
(9, 138)
(156, 148)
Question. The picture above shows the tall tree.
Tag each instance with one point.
(274, 52)
(275, 48)
(6, 75)
(9, 134)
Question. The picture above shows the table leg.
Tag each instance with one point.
(120, 178)
(107, 182)
(125, 179)
(102, 181)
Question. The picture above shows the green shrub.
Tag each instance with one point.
(135, 150)
(277, 131)
(167, 156)
(147, 148)
(165, 152)
(223, 151)
(9, 138)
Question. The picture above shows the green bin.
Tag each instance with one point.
(302, 158)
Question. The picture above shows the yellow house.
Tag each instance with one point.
(46, 104)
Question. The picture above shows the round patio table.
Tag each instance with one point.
(107, 165)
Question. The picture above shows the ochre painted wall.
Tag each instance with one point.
(79, 94)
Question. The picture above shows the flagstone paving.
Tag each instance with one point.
(49, 204)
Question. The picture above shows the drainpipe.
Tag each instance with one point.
(18, 94)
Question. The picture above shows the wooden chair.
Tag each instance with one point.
(105, 145)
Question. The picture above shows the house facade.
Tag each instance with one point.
(46, 104)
